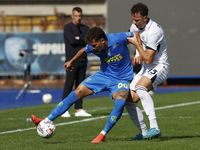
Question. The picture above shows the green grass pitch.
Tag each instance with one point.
(178, 116)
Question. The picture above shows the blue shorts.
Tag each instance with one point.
(100, 82)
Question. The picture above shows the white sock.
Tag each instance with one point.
(47, 119)
(153, 123)
(103, 132)
(137, 117)
(148, 105)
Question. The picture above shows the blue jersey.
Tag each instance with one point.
(115, 61)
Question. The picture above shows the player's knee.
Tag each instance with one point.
(79, 93)
(139, 87)
(133, 97)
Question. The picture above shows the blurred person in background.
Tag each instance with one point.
(74, 33)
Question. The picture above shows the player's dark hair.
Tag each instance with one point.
(77, 9)
(140, 8)
(96, 34)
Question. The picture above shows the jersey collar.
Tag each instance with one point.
(109, 43)
(148, 25)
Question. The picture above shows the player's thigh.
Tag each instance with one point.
(143, 78)
(135, 81)
(133, 97)
(83, 91)
(119, 89)
(157, 75)
(121, 94)
(145, 82)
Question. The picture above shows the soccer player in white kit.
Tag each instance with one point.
(155, 70)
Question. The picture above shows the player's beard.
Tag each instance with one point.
(100, 47)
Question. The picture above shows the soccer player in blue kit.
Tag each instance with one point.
(115, 74)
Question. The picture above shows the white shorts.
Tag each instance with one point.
(156, 73)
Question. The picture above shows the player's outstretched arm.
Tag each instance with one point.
(68, 65)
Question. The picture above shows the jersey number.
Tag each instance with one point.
(154, 71)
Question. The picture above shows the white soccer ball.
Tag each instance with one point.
(151, 93)
(47, 98)
(46, 128)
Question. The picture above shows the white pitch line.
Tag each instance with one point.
(18, 130)
(101, 117)
(177, 105)
(84, 120)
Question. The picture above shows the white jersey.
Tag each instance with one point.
(153, 37)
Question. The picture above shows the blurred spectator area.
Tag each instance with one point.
(51, 1)
(47, 15)
(40, 16)
(44, 23)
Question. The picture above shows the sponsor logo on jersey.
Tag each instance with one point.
(115, 58)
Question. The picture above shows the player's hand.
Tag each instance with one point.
(133, 40)
(68, 66)
(138, 60)
(136, 40)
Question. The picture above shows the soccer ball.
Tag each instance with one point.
(46, 128)
(47, 98)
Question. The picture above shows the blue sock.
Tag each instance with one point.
(63, 106)
(115, 114)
